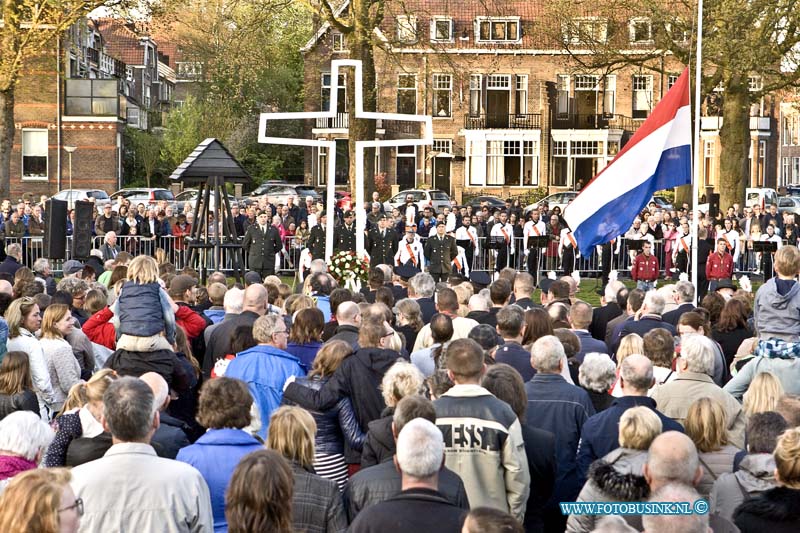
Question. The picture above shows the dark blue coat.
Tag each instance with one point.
(600, 434)
(511, 353)
(588, 344)
(560, 408)
(216, 455)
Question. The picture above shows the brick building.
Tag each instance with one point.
(511, 108)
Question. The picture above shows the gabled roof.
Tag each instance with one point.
(210, 158)
(324, 28)
(121, 40)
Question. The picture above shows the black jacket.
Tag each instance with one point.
(128, 363)
(24, 401)
(380, 482)
(673, 316)
(776, 511)
(170, 436)
(316, 242)
(379, 446)
(601, 316)
(540, 449)
(417, 510)
(428, 308)
(348, 334)
(358, 378)
(219, 342)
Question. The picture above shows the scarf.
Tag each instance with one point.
(778, 349)
(11, 465)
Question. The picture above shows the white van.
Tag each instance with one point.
(763, 197)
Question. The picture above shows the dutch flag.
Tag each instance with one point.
(657, 157)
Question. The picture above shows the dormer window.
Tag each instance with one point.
(640, 30)
(442, 29)
(407, 29)
(497, 30)
(585, 30)
(337, 42)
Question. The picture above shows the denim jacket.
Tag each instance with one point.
(144, 310)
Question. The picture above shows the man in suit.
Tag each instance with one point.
(382, 243)
(684, 297)
(261, 242)
(440, 250)
(580, 316)
(316, 238)
(649, 318)
(610, 310)
(344, 236)
(110, 247)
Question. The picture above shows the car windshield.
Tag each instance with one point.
(164, 195)
(97, 195)
(439, 195)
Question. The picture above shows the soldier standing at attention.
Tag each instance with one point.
(344, 236)
(719, 265)
(382, 242)
(440, 250)
(261, 242)
(316, 238)
(645, 268)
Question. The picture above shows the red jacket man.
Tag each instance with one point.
(645, 266)
(720, 264)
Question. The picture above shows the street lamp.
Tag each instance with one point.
(70, 150)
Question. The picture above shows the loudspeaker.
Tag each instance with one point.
(55, 235)
(713, 204)
(82, 230)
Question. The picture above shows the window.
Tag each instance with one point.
(521, 95)
(34, 154)
(585, 30)
(443, 146)
(709, 150)
(795, 169)
(790, 130)
(407, 29)
(133, 117)
(442, 95)
(672, 79)
(786, 163)
(562, 83)
(337, 42)
(755, 83)
(642, 95)
(442, 29)
(341, 93)
(679, 31)
(585, 82)
(475, 81)
(587, 148)
(85, 97)
(407, 94)
(640, 30)
(609, 95)
(497, 30)
(499, 81)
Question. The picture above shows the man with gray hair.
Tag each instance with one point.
(649, 317)
(562, 409)
(695, 368)
(420, 289)
(13, 260)
(130, 488)
(419, 507)
(676, 523)
(684, 298)
(266, 366)
(608, 311)
(44, 273)
(600, 434)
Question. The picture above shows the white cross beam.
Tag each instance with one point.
(361, 214)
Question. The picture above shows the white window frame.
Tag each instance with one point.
(443, 146)
(648, 90)
(475, 89)
(632, 27)
(562, 88)
(796, 170)
(521, 94)
(786, 166)
(409, 89)
(24, 153)
(407, 29)
(755, 83)
(610, 94)
(323, 86)
(479, 21)
(442, 83)
(450, 33)
(337, 42)
(672, 79)
(573, 30)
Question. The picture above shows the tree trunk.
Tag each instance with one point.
(6, 140)
(683, 195)
(735, 139)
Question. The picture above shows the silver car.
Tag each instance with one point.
(560, 199)
(789, 204)
(149, 197)
(98, 196)
(280, 192)
(190, 195)
(433, 198)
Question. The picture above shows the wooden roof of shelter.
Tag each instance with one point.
(210, 158)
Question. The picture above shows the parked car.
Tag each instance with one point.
(433, 198)
(98, 196)
(148, 197)
(190, 195)
(662, 203)
(279, 192)
(560, 199)
(491, 201)
(789, 204)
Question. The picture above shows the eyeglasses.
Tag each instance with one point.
(388, 334)
(284, 331)
(78, 506)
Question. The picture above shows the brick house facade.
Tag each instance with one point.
(511, 111)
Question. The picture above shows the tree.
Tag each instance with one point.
(750, 51)
(28, 29)
(145, 152)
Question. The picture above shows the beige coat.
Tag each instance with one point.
(674, 399)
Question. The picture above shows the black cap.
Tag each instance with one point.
(252, 278)
(486, 336)
(545, 283)
(725, 284)
(406, 272)
(348, 214)
(383, 217)
(480, 278)
(441, 223)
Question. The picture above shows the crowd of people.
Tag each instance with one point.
(136, 397)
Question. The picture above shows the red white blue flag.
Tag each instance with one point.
(657, 157)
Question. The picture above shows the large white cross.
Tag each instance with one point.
(360, 210)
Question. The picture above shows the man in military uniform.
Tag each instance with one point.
(719, 265)
(382, 243)
(316, 238)
(344, 236)
(645, 268)
(261, 242)
(440, 250)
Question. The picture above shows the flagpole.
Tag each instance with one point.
(698, 81)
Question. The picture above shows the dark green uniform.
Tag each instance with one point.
(261, 247)
(344, 238)
(381, 246)
(316, 242)
(440, 253)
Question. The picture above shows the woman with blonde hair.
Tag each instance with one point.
(630, 344)
(64, 369)
(81, 418)
(409, 321)
(618, 476)
(339, 438)
(316, 503)
(776, 510)
(40, 501)
(763, 394)
(706, 425)
(401, 380)
(23, 320)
